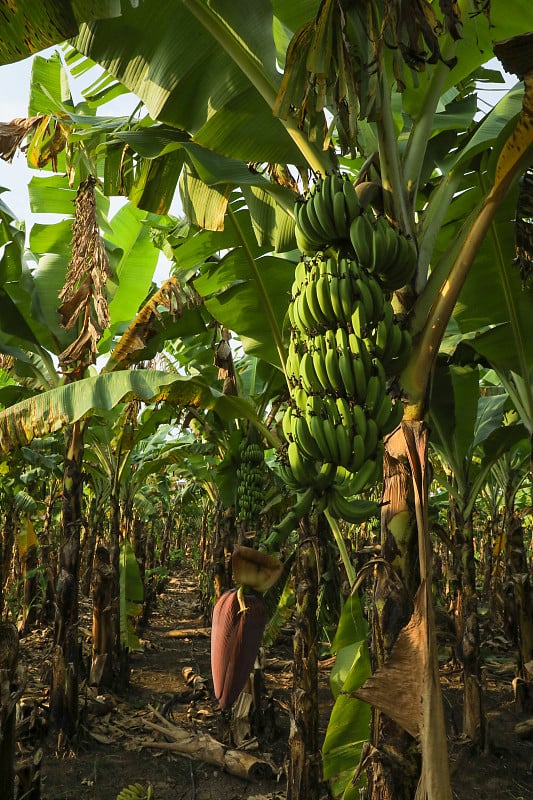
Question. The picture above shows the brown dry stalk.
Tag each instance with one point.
(84, 302)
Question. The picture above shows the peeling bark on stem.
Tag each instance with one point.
(304, 775)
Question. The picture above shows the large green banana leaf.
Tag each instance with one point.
(28, 27)
(176, 65)
(248, 291)
(131, 596)
(53, 410)
(349, 725)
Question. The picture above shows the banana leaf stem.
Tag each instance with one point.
(339, 540)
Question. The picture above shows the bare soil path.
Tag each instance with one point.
(172, 676)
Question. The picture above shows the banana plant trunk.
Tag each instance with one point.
(408, 751)
(10, 692)
(395, 766)
(304, 774)
(466, 613)
(7, 542)
(65, 657)
(103, 630)
(519, 589)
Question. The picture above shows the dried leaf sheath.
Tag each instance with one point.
(84, 302)
(235, 641)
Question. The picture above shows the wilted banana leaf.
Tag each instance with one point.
(479, 31)
(349, 724)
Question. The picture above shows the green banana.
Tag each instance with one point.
(324, 222)
(371, 438)
(359, 320)
(300, 274)
(302, 242)
(311, 300)
(324, 299)
(382, 413)
(399, 363)
(401, 266)
(303, 469)
(360, 379)
(286, 424)
(364, 354)
(366, 298)
(361, 238)
(358, 453)
(315, 418)
(378, 298)
(308, 377)
(352, 511)
(299, 398)
(364, 477)
(394, 419)
(380, 246)
(318, 355)
(375, 391)
(304, 224)
(302, 436)
(336, 302)
(353, 207)
(359, 419)
(346, 297)
(332, 362)
(345, 413)
(344, 446)
(341, 222)
(394, 343)
(346, 369)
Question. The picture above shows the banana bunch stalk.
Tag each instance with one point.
(250, 484)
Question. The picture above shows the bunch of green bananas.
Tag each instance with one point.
(382, 251)
(345, 343)
(324, 217)
(331, 215)
(250, 483)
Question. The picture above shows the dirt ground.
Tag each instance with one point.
(119, 746)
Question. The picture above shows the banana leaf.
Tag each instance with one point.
(349, 724)
(190, 81)
(131, 596)
(52, 410)
(29, 27)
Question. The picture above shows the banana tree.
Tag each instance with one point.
(468, 434)
(511, 473)
(237, 60)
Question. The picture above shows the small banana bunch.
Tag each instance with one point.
(136, 791)
(250, 483)
(324, 217)
(331, 215)
(382, 251)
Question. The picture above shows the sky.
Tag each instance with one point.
(15, 89)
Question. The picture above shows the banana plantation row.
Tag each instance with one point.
(337, 370)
